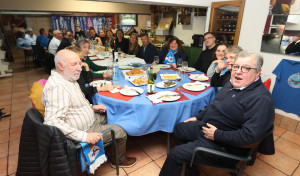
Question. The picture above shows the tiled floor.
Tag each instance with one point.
(150, 150)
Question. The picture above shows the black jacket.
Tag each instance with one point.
(205, 59)
(44, 150)
(124, 45)
(149, 53)
(63, 44)
(219, 81)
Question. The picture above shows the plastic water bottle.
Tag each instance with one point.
(116, 72)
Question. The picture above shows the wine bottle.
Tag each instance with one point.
(150, 85)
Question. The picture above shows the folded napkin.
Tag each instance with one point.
(154, 99)
(115, 90)
(91, 156)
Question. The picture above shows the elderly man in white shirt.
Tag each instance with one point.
(30, 37)
(67, 108)
(55, 41)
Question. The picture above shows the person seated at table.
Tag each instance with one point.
(63, 31)
(121, 42)
(218, 56)
(94, 36)
(79, 33)
(171, 52)
(55, 42)
(84, 45)
(67, 109)
(241, 114)
(43, 40)
(30, 36)
(109, 41)
(86, 77)
(134, 47)
(102, 36)
(66, 41)
(147, 50)
(218, 80)
(294, 47)
(87, 33)
(23, 44)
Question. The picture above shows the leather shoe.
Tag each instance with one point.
(125, 163)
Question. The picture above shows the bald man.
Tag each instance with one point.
(55, 41)
(67, 108)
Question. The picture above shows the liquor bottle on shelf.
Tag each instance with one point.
(150, 85)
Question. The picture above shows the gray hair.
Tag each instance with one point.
(81, 42)
(59, 58)
(234, 49)
(258, 58)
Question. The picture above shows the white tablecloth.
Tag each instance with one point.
(123, 61)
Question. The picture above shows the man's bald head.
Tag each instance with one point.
(57, 34)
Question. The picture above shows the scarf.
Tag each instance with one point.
(170, 55)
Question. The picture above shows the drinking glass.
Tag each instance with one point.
(184, 66)
(110, 71)
(156, 59)
(179, 62)
(179, 78)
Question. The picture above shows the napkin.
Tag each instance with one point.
(115, 90)
(154, 99)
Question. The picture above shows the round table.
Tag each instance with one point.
(139, 116)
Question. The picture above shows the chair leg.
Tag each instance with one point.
(183, 169)
(116, 153)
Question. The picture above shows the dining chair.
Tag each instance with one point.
(243, 161)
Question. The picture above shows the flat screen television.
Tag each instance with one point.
(129, 19)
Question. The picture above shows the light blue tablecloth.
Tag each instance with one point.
(139, 117)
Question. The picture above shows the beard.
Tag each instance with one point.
(71, 76)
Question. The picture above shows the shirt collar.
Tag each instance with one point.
(242, 88)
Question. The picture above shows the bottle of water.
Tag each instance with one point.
(116, 72)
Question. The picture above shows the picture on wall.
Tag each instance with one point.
(129, 19)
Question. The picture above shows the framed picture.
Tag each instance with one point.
(129, 19)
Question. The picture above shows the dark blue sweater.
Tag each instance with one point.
(242, 117)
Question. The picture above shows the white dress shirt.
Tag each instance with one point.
(31, 40)
(53, 45)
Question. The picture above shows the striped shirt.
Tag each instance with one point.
(66, 107)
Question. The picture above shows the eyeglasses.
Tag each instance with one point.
(208, 38)
(244, 69)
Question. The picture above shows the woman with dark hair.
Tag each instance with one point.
(171, 52)
(109, 41)
(121, 42)
(134, 47)
(218, 56)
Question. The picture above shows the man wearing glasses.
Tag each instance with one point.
(66, 41)
(241, 114)
(205, 58)
(218, 80)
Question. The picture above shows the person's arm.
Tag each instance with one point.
(217, 80)
(258, 119)
(293, 47)
(85, 77)
(94, 66)
(211, 69)
(56, 108)
(162, 55)
(136, 50)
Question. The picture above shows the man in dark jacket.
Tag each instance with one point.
(66, 41)
(241, 114)
(205, 58)
(147, 50)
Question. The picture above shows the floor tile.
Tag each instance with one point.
(288, 123)
(298, 129)
(150, 169)
(141, 157)
(23, 99)
(14, 147)
(212, 171)
(4, 136)
(281, 161)
(154, 148)
(106, 170)
(297, 172)
(5, 97)
(160, 161)
(292, 137)
(4, 123)
(278, 131)
(5, 102)
(260, 168)
(3, 149)
(18, 122)
(18, 94)
(3, 166)
(288, 148)
(15, 133)
(12, 164)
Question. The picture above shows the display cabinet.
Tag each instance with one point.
(226, 19)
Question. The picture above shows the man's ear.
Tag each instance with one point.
(60, 66)
(258, 72)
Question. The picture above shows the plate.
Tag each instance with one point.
(132, 91)
(168, 96)
(189, 69)
(139, 81)
(169, 76)
(194, 86)
(198, 77)
(163, 84)
(125, 67)
(135, 64)
(163, 66)
(100, 83)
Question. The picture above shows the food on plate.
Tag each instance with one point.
(169, 83)
(126, 67)
(140, 81)
(169, 76)
(135, 71)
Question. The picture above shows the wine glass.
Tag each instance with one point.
(179, 63)
(156, 59)
(179, 78)
(184, 66)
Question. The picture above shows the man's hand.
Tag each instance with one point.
(86, 66)
(99, 108)
(97, 39)
(93, 138)
(221, 66)
(174, 65)
(209, 132)
(106, 76)
(106, 88)
(192, 119)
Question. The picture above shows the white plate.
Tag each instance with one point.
(126, 67)
(198, 77)
(189, 69)
(161, 85)
(163, 66)
(194, 86)
(145, 79)
(169, 76)
(131, 91)
(100, 83)
(168, 96)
